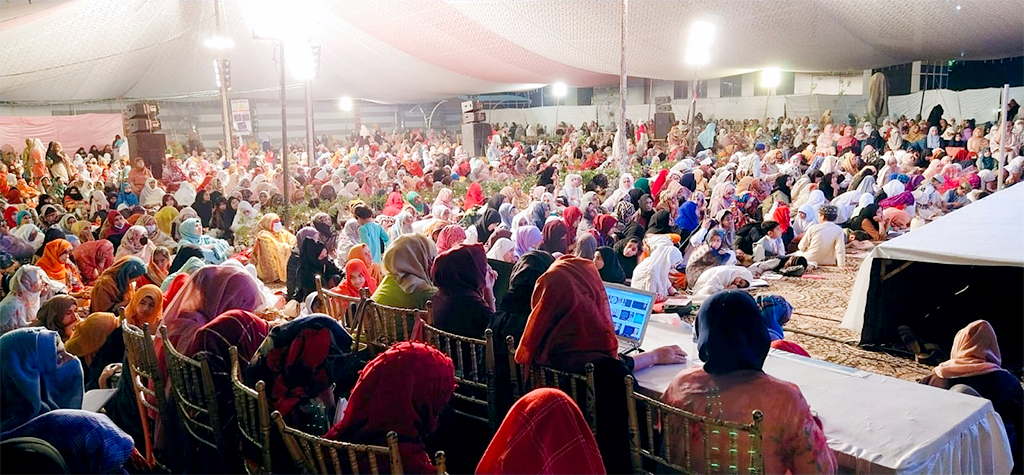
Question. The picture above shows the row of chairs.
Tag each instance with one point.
(194, 395)
(649, 448)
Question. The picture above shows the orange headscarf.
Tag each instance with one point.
(570, 324)
(356, 266)
(153, 319)
(50, 262)
(975, 352)
(358, 253)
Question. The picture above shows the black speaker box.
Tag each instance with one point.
(152, 148)
(474, 138)
(663, 121)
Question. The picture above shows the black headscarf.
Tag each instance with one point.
(826, 187)
(780, 184)
(688, 181)
(489, 217)
(634, 197)
(867, 212)
(204, 208)
(510, 319)
(633, 232)
(731, 334)
(73, 192)
(660, 223)
(612, 270)
(185, 251)
(496, 201)
(546, 176)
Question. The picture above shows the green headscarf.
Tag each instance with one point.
(411, 198)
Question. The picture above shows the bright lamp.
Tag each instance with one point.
(345, 103)
(698, 46)
(770, 77)
(559, 89)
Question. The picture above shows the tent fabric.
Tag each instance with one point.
(989, 232)
(419, 50)
(72, 131)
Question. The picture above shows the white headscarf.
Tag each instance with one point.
(500, 248)
(186, 194)
(717, 278)
(151, 194)
(652, 273)
(20, 306)
(244, 216)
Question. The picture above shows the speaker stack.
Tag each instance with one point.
(663, 117)
(475, 129)
(142, 125)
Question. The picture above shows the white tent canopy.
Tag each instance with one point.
(418, 50)
(989, 232)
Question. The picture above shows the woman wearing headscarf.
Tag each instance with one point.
(111, 288)
(607, 263)
(449, 237)
(245, 217)
(271, 250)
(539, 214)
(299, 381)
(443, 200)
(57, 265)
(722, 197)
(136, 243)
(126, 197)
(312, 256)
(407, 282)
(719, 278)
(706, 139)
(151, 194)
(362, 252)
(357, 277)
(59, 314)
(464, 302)
(93, 257)
(412, 408)
(97, 342)
(733, 343)
(145, 307)
(85, 442)
(474, 196)
(569, 326)
(403, 224)
(28, 231)
(548, 176)
(544, 432)
(37, 376)
(214, 250)
(974, 361)
(586, 247)
(506, 211)
(20, 306)
(527, 238)
(165, 219)
(556, 238)
(653, 273)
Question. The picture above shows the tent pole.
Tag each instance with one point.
(285, 177)
(225, 104)
(1003, 105)
(310, 134)
(623, 154)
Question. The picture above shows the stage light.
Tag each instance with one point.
(559, 89)
(303, 60)
(219, 42)
(345, 103)
(293, 20)
(698, 46)
(770, 77)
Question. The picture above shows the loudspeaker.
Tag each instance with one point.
(141, 109)
(471, 106)
(474, 138)
(663, 108)
(471, 117)
(663, 121)
(143, 125)
(152, 148)
(662, 100)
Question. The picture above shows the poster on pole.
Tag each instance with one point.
(241, 117)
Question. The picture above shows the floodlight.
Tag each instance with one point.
(345, 103)
(698, 46)
(559, 89)
(771, 77)
(279, 20)
(302, 60)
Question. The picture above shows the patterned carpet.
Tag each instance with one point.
(818, 308)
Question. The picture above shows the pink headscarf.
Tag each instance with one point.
(212, 291)
(449, 236)
(975, 352)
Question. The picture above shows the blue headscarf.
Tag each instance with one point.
(731, 335)
(126, 197)
(686, 219)
(88, 442)
(775, 311)
(707, 137)
(32, 380)
(21, 214)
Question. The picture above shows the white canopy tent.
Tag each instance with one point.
(64, 51)
(985, 237)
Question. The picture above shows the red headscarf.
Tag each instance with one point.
(9, 214)
(781, 216)
(572, 216)
(544, 432)
(355, 266)
(394, 204)
(604, 224)
(404, 390)
(450, 236)
(570, 324)
(474, 195)
(659, 182)
(556, 237)
(50, 262)
(93, 257)
(238, 328)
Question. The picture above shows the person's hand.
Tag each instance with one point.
(671, 354)
(492, 276)
(108, 371)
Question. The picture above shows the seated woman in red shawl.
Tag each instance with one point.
(395, 202)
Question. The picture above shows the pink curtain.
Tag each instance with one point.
(72, 131)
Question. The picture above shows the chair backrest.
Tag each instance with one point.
(253, 412)
(651, 449)
(474, 372)
(579, 386)
(343, 308)
(315, 454)
(144, 372)
(194, 395)
(382, 326)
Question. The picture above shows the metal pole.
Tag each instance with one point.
(286, 178)
(310, 133)
(225, 104)
(623, 155)
(692, 140)
(558, 102)
(1002, 135)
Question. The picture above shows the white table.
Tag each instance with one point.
(873, 423)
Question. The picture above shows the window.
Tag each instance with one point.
(584, 96)
(934, 75)
(732, 86)
(702, 89)
(679, 89)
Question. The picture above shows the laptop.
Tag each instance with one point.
(631, 312)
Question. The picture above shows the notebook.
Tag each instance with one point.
(631, 312)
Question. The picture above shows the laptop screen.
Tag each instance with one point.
(631, 309)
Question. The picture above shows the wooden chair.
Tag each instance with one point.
(652, 451)
(579, 386)
(194, 395)
(467, 354)
(346, 310)
(144, 372)
(308, 452)
(384, 326)
(253, 412)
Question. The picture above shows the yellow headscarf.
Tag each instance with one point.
(91, 334)
(164, 217)
(153, 319)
